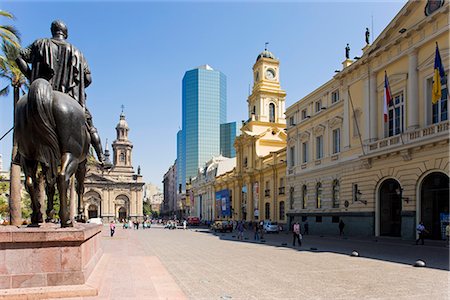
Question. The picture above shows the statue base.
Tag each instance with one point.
(346, 63)
(48, 256)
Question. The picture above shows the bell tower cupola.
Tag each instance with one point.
(267, 101)
(122, 147)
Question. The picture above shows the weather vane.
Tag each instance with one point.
(265, 45)
(122, 106)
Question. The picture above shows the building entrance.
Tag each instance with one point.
(122, 213)
(434, 204)
(390, 208)
(92, 211)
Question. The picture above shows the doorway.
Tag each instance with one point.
(390, 208)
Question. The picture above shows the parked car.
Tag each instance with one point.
(193, 221)
(222, 226)
(270, 227)
(95, 221)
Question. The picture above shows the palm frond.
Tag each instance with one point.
(4, 13)
(4, 91)
(11, 30)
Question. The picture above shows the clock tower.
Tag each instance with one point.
(267, 101)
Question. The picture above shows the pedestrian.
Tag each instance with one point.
(296, 234)
(256, 230)
(112, 228)
(420, 231)
(130, 224)
(184, 224)
(261, 229)
(306, 227)
(240, 228)
(447, 233)
(341, 227)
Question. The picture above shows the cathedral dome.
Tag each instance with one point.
(267, 54)
(122, 122)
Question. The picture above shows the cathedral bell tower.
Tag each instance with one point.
(122, 147)
(267, 101)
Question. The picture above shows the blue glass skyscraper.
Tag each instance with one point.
(228, 133)
(203, 110)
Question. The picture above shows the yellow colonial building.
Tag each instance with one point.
(257, 183)
(347, 162)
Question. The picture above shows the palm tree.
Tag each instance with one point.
(8, 33)
(11, 72)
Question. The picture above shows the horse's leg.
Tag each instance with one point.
(31, 182)
(69, 165)
(80, 175)
(50, 192)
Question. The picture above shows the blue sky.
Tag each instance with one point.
(138, 53)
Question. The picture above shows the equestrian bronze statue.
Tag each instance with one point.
(53, 127)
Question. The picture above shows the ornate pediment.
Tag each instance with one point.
(92, 177)
(335, 122)
(319, 130)
(304, 136)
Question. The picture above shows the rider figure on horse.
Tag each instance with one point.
(65, 68)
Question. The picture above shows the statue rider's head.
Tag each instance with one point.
(58, 28)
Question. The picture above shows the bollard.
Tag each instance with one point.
(355, 253)
(419, 263)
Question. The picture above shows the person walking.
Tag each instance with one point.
(184, 224)
(112, 228)
(420, 231)
(447, 233)
(240, 228)
(341, 227)
(306, 227)
(256, 229)
(296, 234)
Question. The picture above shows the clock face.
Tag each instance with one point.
(270, 74)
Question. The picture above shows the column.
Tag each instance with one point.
(412, 96)
(374, 115)
(347, 121)
(366, 111)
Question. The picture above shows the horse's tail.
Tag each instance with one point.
(40, 112)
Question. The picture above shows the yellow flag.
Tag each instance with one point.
(437, 88)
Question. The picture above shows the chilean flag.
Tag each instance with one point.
(387, 96)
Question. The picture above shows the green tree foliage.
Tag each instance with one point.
(147, 209)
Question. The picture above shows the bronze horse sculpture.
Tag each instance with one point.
(51, 131)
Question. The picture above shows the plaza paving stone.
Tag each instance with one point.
(159, 263)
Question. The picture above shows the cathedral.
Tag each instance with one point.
(115, 193)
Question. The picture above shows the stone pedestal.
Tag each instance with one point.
(346, 63)
(48, 256)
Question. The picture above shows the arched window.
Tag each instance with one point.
(272, 112)
(267, 211)
(122, 157)
(336, 188)
(304, 196)
(254, 110)
(281, 210)
(318, 195)
(291, 197)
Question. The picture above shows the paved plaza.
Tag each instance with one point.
(159, 263)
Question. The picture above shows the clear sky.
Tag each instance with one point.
(138, 53)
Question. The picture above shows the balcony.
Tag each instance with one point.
(433, 132)
(267, 193)
(281, 190)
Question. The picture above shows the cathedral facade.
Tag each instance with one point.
(115, 193)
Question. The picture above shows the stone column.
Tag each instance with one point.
(374, 116)
(347, 120)
(412, 95)
(366, 111)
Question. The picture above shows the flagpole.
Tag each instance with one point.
(356, 122)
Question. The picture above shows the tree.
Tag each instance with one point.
(11, 72)
(8, 33)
